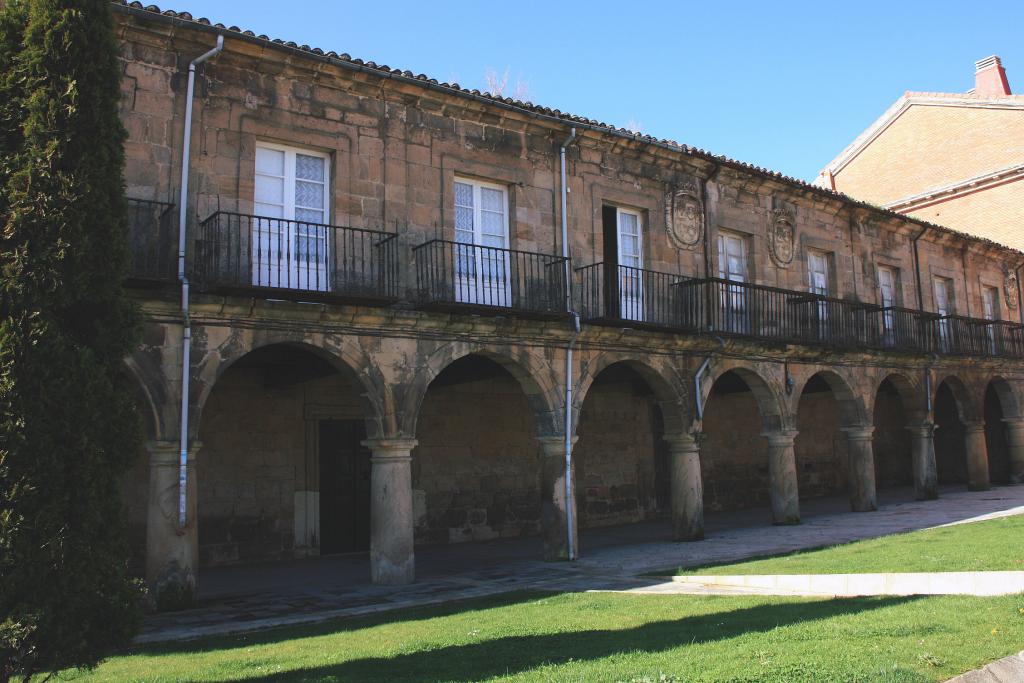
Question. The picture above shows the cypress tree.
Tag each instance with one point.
(68, 431)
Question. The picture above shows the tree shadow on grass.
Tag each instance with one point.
(516, 654)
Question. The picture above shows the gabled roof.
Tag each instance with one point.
(908, 100)
(536, 111)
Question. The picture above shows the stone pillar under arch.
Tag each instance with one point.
(976, 451)
(392, 560)
(1015, 442)
(687, 488)
(863, 497)
(922, 450)
(172, 552)
(785, 492)
(556, 506)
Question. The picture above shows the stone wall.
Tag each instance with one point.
(621, 459)
(733, 454)
(820, 448)
(891, 442)
(476, 474)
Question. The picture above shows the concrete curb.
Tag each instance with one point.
(852, 585)
(1006, 670)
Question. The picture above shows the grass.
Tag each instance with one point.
(595, 637)
(991, 545)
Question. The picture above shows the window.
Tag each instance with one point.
(887, 290)
(481, 231)
(732, 299)
(818, 283)
(943, 288)
(990, 304)
(631, 263)
(290, 238)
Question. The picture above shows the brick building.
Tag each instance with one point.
(380, 343)
(951, 158)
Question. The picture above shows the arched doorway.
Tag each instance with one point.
(826, 406)
(735, 453)
(950, 432)
(475, 471)
(892, 441)
(1000, 404)
(282, 472)
(621, 458)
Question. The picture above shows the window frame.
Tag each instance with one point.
(289, 178)
(477, 184)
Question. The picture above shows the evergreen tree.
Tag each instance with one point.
(67, 432)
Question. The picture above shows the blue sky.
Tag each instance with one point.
(785, 85)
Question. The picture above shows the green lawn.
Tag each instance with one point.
(992, 545)
(587, 637)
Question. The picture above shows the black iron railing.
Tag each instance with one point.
(962, 336)
(236, 251)
(469, 275)
(153, 241)
(902, 329)
(619, 294)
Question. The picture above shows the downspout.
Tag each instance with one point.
(570, 537)
(186, 336)
(1020, 296)
(697, 400)
(917, 268)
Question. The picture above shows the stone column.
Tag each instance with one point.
(782, 472)
(922, 449)
(556, 507)
(687, 488)
(1015, 444)
(977, 456)
(392, 561)
(172, 552)
(862, 468)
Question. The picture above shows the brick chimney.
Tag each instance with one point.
(990, 78)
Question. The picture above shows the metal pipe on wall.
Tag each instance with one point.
(569, 516)
(186, 336)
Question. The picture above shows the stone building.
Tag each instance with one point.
(388, 347)
(952, 158)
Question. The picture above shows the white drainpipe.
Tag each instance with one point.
(569, 517)
(186, 336)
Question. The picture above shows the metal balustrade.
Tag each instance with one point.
(152, 242)
(646, 298)
(454, 274)
(962, 336)
(902, 329)
(295, 259)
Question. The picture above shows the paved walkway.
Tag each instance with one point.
(844, 585)
(1006, 670)
(245, 598)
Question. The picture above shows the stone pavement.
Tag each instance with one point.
(845, 585)
(245, 598)
(1006, 670)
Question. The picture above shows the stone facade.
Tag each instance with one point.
(464, 409)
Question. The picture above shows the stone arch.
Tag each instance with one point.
(966, 406)
(663, 379)
(1009, 398)
(345, 356)
(151, 396)
(852, 411)
(908, 391)
(540, 388)
(774, 416)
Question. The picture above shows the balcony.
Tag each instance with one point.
(903, 329)
(295, 260)
(152, 242)
(961, 336)
(642, 298)
(456, 276)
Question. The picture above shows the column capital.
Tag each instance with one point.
(782, 437)
(974, 427)
(168, 452)
(681, 443)
(1013, 422)
(554, 446)
(390, 450)
(858, 432)
(923, 428)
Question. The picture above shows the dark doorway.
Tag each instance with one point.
(950, 452)
(610, 236)
(344, 487)
(995, 438)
